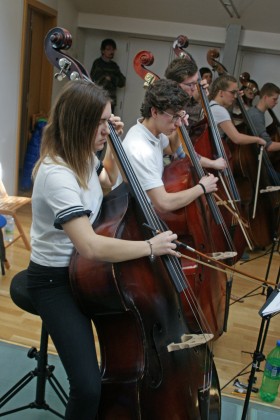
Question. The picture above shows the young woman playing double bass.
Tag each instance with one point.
(66, 199)
(224, 91)
(222, 96)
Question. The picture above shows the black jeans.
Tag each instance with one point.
(72, 335)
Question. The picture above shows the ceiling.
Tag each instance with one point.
(255, 15)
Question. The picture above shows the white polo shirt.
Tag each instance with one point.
(220, 114)
(145, 153)
(57, 198)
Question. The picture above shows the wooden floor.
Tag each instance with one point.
(232, 351)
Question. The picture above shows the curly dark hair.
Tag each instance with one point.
(180, 68)
(162, 95)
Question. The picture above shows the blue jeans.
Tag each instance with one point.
(72, 335)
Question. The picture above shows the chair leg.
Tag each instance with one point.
(20, 235)
(42, 372)
(2, 253)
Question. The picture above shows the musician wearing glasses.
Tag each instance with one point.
(163, 111)
(185, 72)
(222, 96)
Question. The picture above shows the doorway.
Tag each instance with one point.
(36, 81)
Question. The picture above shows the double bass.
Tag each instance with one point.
(155, 357)
(207, 142)
(199, 224)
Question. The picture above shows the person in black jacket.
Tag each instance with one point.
(105, 72)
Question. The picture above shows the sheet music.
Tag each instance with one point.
(272, 306)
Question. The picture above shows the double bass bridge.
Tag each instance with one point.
(190, 340)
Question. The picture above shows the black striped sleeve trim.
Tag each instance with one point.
(69, 214)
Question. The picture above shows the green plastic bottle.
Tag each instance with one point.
(271, 375)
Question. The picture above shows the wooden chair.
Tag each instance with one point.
(8, 207)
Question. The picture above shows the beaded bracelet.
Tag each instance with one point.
(202, 186)
(152, 256)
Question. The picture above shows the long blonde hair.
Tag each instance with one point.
(72, 127)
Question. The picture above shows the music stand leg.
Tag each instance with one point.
(258, 357)
(275, 241)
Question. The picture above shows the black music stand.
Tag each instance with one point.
(244, 371)
(268, 310)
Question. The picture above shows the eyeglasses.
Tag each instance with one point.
(233, 92)
(191, 84)
(176, 118)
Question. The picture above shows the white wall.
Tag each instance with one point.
(170, 30)
(151, 28)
